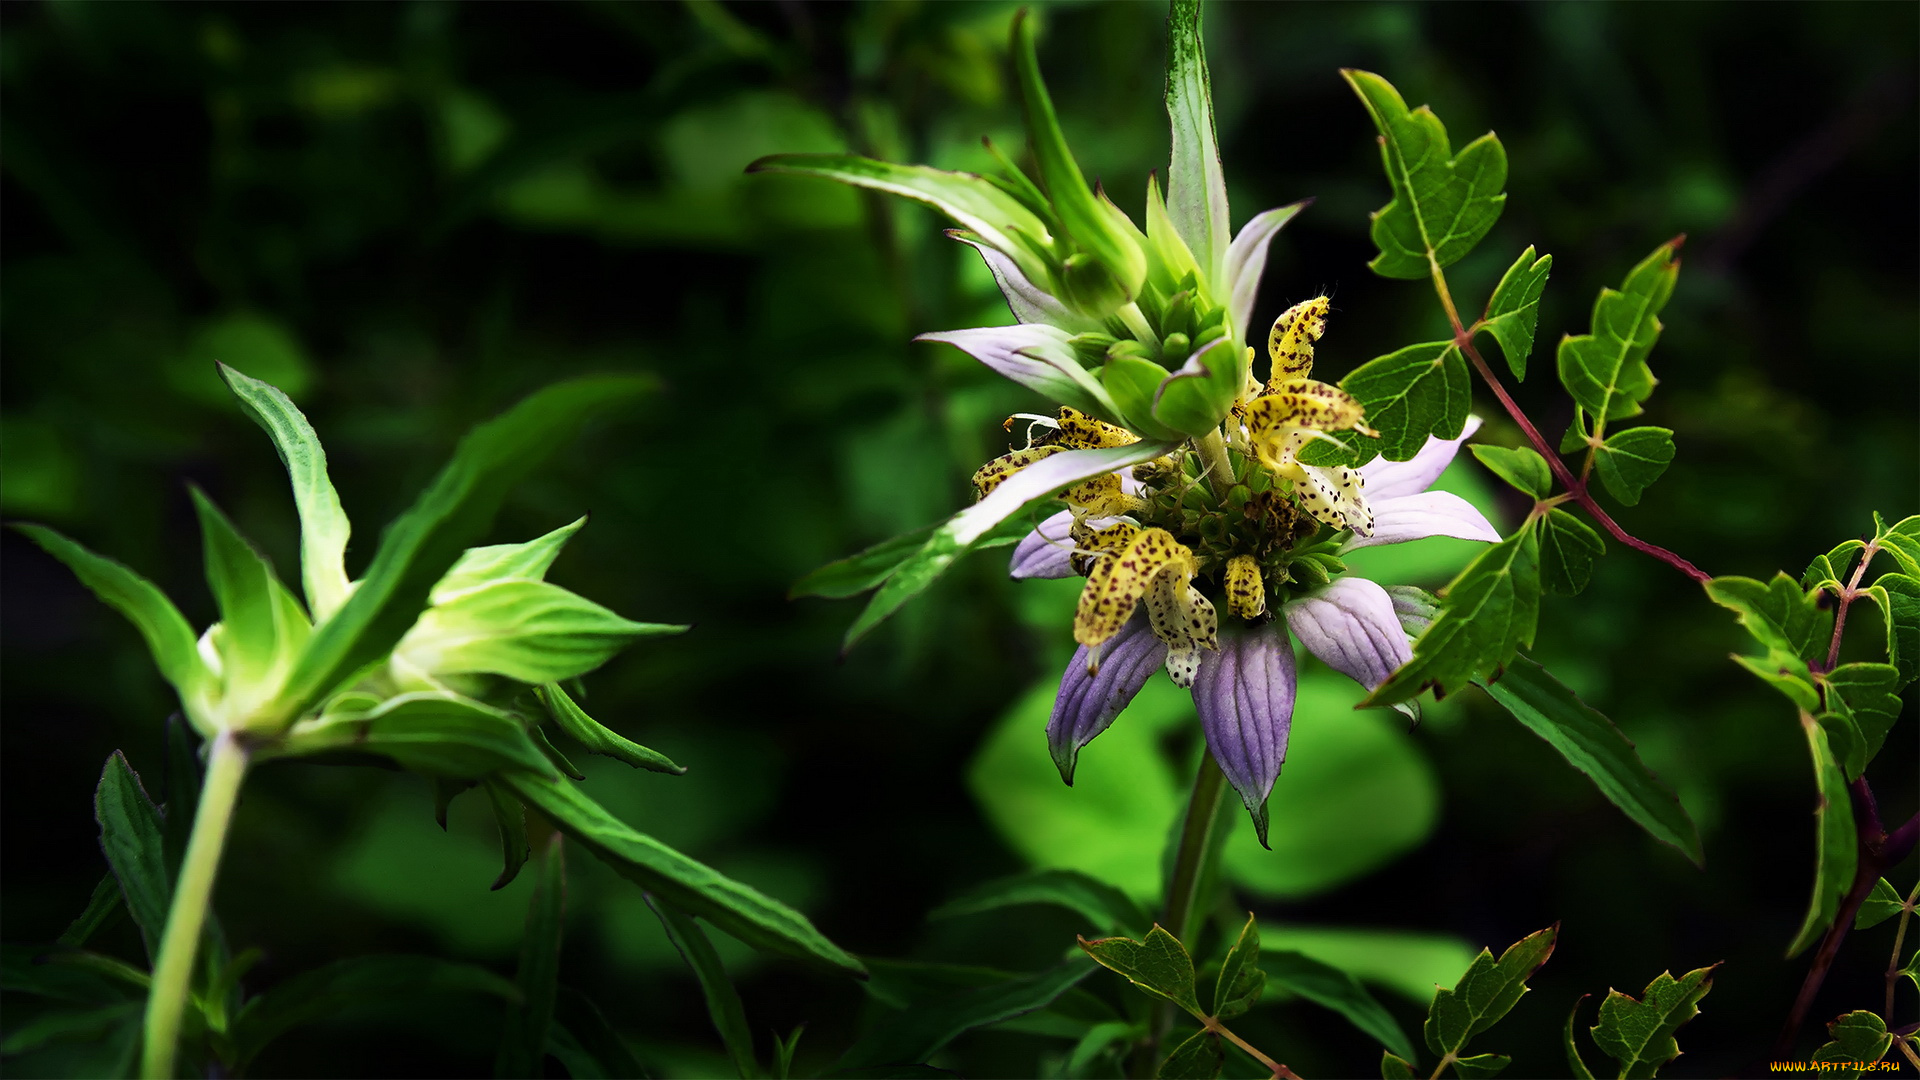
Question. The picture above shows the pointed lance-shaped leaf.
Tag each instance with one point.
(1835, 854)
(597, 737)
(530, 631)
(1196, 185)
(130, 838)
(917, 1034)
(1514, 311)
(498, 562)
(255, 636)
(1606, 370)
(438, 734)
(1442, 203)
(523, 1036)
(510, 815)
(723, 1001)
(324, 528)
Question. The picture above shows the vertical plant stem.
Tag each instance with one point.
(1191, 864)
(1212, 449)
(192, 895)
(1899, 939)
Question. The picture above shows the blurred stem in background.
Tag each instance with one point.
(1195, 867)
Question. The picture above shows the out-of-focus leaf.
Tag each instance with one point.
(1591, 743)
(1159, 965)
(1485, 993)
(523, 1037)
(511, 817)
(1394, 1067)
(1198, 1058)
(1420, 390)
(93, 1023)
(130, 837)
(419, 547)
(498, 562)
(168, 637)
(1489, 612)
(598, 738)
(1606, 370)
(1106, 907)
(323, 524)
(1519, 466)
(689, 885)
(357, 982)
(1443, 203)
(1639, 1033)
(856, 574)
(1481, 1065)
(1241, 978)
(576, 1013)
(1899, 599)
(1879, 906)
(1514, 311)
(1901, 540)
(1576, 1064)
(1631, 460)
(1855, 1039)
(723, 1001)
(1331, 988)
(917, 1035)
(102, 908)
(1568, 547)
(1834, 855)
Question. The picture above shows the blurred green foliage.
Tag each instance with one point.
(409, 215)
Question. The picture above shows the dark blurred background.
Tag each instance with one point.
(409, 215)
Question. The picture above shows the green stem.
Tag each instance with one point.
(1199, 843)
(1212, 449)
(192, 895)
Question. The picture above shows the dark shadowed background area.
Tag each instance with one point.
(409, 215)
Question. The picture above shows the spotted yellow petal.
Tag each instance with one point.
(1246, 592)
(993, 473)
(1333, 495)
(1078, 431)
(1101, 497)
(1307, 403)
(1290, 344)
(1090, 543)
(1118, 582)
(1185, 620)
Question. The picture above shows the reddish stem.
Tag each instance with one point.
(1847, 594)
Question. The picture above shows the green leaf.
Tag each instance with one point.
(1102, 905)
(1442, 203)
(511, 817)
(257, 635)
(454, 511)
(530, 631)
(1591, 743)
(323, 524)
(1194, 399)
(168, 637)
(686, 884)
(1420, 390)
(1196, 186)
(1394, 1067)
(1241, 978)
(1869, 694)
(1606, 371)
(856, 574)
(554, 757)
(1488, 613)
(1514, 311)
(1899, 598)
(723, 1001)
(433, 733)
(1901, 540)
(1879, 906)
(1835, 855)
(1485, 993)
(1519, 466)
(1575, 1063)
(362, 982)
(596, 737)
(523, 1036)
(70, 1024)
(1331, 988)
(1575, 437)
(1159, 965)
(1082, 218)
(975, 202)
(1481, 1065)
(578, 1016)
(1855, 1039)
(783, 1051)
(1639, 1033)
(1825, 571)
(498, 562)
(1779, 614)
(918, 1034)
(102, 908)
(1568, 547)
(1198, 1058)
(1631, 460)
(130, 837)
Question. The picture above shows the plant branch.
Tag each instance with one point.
(1899, 939)
(1847, 595)
(192, 896)
(1280, 1072)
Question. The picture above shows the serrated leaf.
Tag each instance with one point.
(1418, 391)
(1485, 993)
(1568, 547)
(973, 201)
(1488, 613)
(918, 1034)
(1639, 1033)
(1198, 1058)
(324, 527)
(1779, 614)
(1108, 909)
(597, 737)
(1869, 693)
(1241, 979)
(1575, 1063)
(1331, 988)
(169, 639)
(1901, 540)
(1481, 1065)
(1514, 311)
(1196, 186)
(1899, 598)
(723, 1001)
(1856, 1038)
(1442, 203)
(856, 574)
(433, 733)
(324, 993)
(1827, 570)
(455, 510)
(498, 562)
(1519, 466)
(511, 817)
(1591, 743)
(1879, 906)
(1394, 1067)
(130, 837)
(1606, 370)
(523, 1035)
(529, 631)
(1631, 460)
(1158, 965)
(1835, 854)
(691, 886)
(1787, 674)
